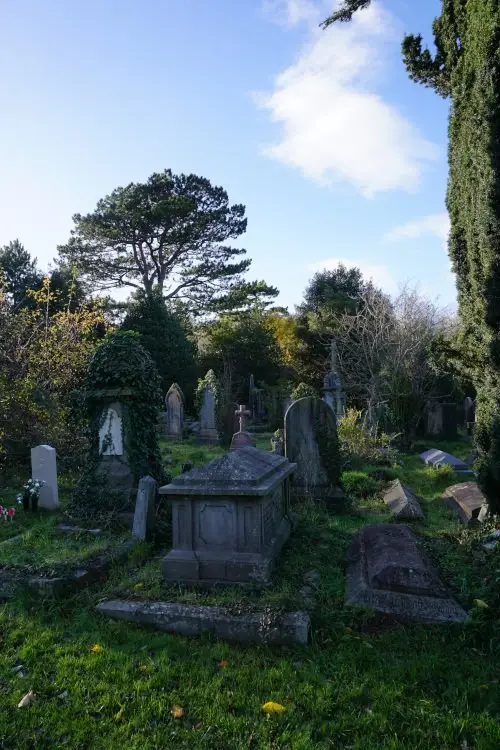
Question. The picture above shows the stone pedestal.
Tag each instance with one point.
(230, 519)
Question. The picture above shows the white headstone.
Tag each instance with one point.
(44, 468)
(110, 433)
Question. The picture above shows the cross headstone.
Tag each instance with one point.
(242, 438)
(241, 414)
(44, 468)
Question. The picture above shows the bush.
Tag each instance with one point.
(359, 484)
(303, 390)
(358, 445)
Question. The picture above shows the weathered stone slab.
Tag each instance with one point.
(144, 508)
(190, 620)
(389, 573)
(468, 500)
(403, 502)
(436, 458)
(174, 404)
(44, 468)
(65, 528)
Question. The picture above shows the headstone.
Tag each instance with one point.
(468, 501)
(111, 432)
(311, 442)
(388, 572)
(402, 502)
(469, 413)
(436, 458)
(208, 433)
(287, 404)
(44, 468)
(174, 404)
(113, 460)
(144, 508)
(333, 393)
(450, 421)
(434, 413)
(256, 401)
(230, 519)
(242, 438)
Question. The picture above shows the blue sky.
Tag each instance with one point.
(336, 154)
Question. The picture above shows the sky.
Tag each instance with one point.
(335, 153)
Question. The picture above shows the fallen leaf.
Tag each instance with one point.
(481, 604)
(96, 648)
(273, 708)
(198, 725)
(347, 630)
(223, 664)
(143, 667)
(177, 712)
(28, 698)
(120, 714)
(139, 586)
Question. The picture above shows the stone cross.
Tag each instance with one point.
(241, 414)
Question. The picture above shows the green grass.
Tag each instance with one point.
(365, 681)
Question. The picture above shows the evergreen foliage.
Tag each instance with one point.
(466, 68)
(164, 337)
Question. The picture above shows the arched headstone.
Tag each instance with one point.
(174, 411)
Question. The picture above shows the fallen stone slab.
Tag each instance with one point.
(437, 458)
(65, 528)
(387, 571)
(403, 502)
(189, 620)
(468, 501)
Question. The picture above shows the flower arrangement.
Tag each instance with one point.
(7, 513)
(30, 494)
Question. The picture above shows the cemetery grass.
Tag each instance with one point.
(364, 682)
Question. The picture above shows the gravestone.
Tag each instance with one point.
(468, 501)
(208, 433)
(402, 502)
(44, 468)
(174, 404)
(278, 443)
(113, 460)
(242, 438)
(387, 571)
(311, 442)
(143, 524)
(469, 414)
(434, 414)
(333, 393)
(230, 519)
(450, 421)
(436, 458)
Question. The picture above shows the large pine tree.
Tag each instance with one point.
(466, 68)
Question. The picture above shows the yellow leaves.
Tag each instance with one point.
(143, 667)
(138, 586)
(177, 712)
(223, 664)
(481, 604)
(96, 648)
(273, 708)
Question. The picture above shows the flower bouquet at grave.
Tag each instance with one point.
(7, 513)
(30, 494)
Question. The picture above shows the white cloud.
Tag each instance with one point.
(334, 126)
(379, 274)
(292, 12)
(434, 224)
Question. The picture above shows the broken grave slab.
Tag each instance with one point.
(388, 572)
(288, 628)
(468, 501)
(403, 502)
(436, 458)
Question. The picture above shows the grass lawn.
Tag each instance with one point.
(364, 682)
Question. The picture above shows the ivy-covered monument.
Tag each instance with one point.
(122, 398)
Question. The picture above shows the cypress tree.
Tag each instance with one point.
(466, 68)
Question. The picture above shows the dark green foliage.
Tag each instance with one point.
(121, 364)
(171, 233)
(303, 390)
(163, 335)
(332, 292)
(359, 484)
(19, 271)
(466, 67)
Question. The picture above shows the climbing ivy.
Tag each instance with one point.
(210, 380)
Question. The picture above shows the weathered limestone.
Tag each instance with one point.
(436, 458)
(44, 468)
(403, 502)
(230, 519)
(468, 501)
(290, 628)
(311, 443)
(174, 414)
(144, 508)
(387, 572)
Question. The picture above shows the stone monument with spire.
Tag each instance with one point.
(333, 392)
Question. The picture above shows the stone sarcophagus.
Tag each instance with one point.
(230, 519)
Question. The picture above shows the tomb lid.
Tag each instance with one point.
(435, 457)
(246, 471)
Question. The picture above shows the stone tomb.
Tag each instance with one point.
(174, 414)
(44, 468)
(230, 519)
(402, 502)
(468, 501)
(436, 458)
(388, 572)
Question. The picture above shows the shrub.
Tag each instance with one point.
(360, 446)
(359, 484)
(303, 390)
